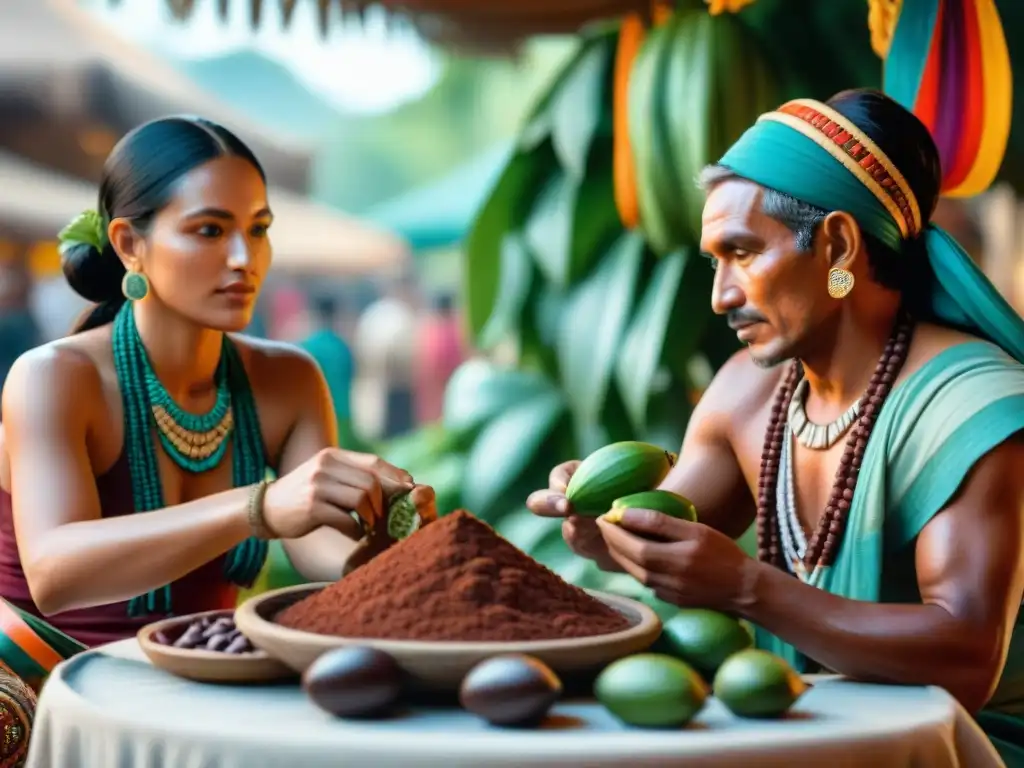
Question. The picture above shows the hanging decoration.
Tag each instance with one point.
(948, 62)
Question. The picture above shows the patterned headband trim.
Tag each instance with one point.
(858, 153)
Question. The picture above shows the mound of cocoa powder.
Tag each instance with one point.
(455, 579)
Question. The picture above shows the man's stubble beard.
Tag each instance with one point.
(767, 363)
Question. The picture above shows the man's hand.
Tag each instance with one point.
(687, 564)
(580, 533)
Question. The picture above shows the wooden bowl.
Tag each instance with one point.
(441, 665)
(207, 666)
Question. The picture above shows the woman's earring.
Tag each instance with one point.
(134, 285)
(840, 282)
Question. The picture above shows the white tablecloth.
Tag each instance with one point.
(110, 708)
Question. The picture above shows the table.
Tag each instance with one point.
(110, 708)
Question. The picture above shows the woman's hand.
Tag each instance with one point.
(687, 564)
(425, 501)
(423, 498)
(581, 533)
(327, 488)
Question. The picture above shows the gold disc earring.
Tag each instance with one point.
(840, 282)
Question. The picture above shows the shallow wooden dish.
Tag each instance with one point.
(442, 665)
(208, 666)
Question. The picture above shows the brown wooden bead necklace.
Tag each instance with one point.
(824, 544)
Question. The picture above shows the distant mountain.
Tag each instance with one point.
(265, 91)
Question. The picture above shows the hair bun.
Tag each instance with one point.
(93, 274)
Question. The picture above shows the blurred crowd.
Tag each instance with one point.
(386, 350)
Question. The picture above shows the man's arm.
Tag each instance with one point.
(708, 472)
(970, 571)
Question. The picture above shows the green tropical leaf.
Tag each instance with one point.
(445, 475)
(540, 329)
(552, 551)
(668, 415)
(595, 218)
(506, 447)
(719, 341)
(516, 276)
(419, 447)
(642, 349)
(538, 124)
(577, 106)
(690, 315)
(480, 390)
(548, 229)
(614, 421)
(571, 223)
(525, 529)
(595, 322)
(505, 210)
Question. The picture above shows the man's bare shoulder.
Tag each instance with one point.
(931, 340)
(741, 387)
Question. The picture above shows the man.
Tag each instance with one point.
(886, 467)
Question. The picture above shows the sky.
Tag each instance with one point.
(359, 68)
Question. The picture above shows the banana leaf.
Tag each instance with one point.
(572, 221)
(578, 103)
(539, 332)
(642, 350)
(516, 270)
(419, 447)
(479, 390)
(668, 415)
(815, 49)
(596, 319)
(505, 448)
(445, 475)
(504, 210)
(525, 529)
(548, 229)
(719, 342)
(690, 315)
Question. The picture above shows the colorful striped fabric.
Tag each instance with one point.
(948, 63)
(29, 647)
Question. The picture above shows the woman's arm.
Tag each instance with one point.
(72, 557)
(320, 555)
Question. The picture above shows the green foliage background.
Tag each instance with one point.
(612, 340)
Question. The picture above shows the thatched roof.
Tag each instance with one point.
(485, 24)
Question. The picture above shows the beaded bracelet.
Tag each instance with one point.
(259, 526)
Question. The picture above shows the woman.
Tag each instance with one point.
(154, 405)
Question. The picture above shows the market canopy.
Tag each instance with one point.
(64, 74)
(309, 238)
(439, 214)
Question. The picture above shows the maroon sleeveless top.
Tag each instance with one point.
(204, 589)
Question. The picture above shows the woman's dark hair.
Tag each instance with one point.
(907, 142)
(139, 179)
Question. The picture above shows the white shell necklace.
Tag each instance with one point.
(817, 437)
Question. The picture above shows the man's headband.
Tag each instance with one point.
(858, 154)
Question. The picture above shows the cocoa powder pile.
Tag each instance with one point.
(456, 579)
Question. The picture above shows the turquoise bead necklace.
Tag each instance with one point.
(196, 443)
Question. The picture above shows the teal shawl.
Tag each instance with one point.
(934, 426)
